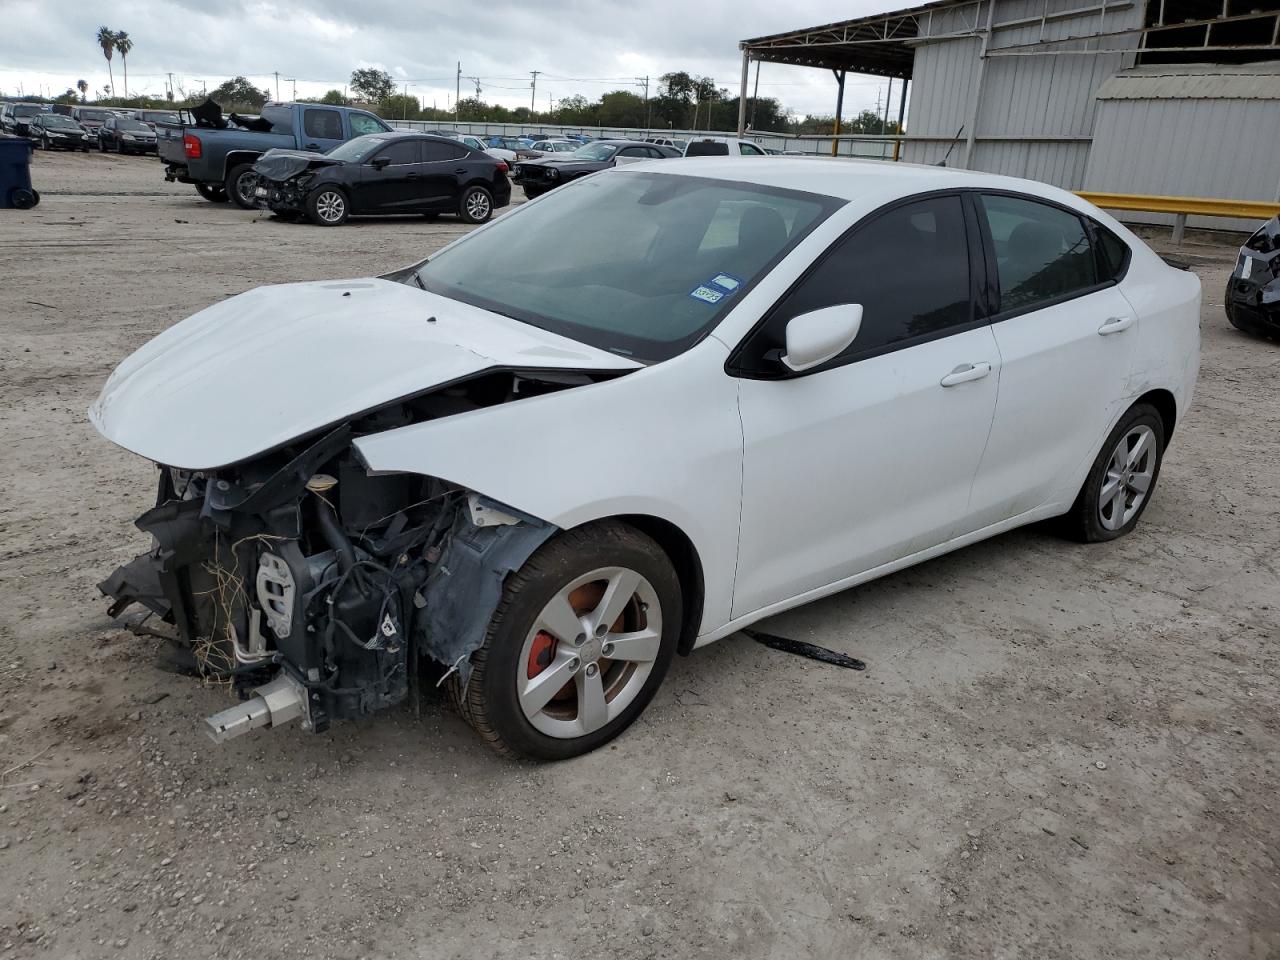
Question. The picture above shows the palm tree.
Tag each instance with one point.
(107, 41)
(124, 45)
(83, 87)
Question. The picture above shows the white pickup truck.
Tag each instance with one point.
(722, 147)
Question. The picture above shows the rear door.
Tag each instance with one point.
(445, 168)
(321, 129)
(1067, 340)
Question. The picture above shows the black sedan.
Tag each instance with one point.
(536, 177)
(126, 135)
(382, 173)
(53, 131)
(17, 117)
(1253, 292)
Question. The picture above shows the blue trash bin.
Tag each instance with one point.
(15, 174)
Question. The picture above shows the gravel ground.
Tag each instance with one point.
(1058, 751)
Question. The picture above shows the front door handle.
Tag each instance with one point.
(411, 176)
(966, 372)
(312, 146)
(1115, 325)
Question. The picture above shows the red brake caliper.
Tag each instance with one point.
(541, 653)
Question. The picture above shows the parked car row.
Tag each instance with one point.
(538, 176)
(80, 127)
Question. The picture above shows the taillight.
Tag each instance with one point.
(192, 147)
(502, 166)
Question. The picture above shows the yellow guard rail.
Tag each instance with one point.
(1181, 207)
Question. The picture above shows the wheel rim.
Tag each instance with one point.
(1130, 472)
(244, 187)
(589, 652)
(478, 204)
(330, 206)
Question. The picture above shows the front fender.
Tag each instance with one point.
(665, 441)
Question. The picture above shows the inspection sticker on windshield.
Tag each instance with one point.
(717, 288)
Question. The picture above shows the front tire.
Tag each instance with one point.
(239, 185)
(579, 643)
(328, 207)
(1122, 479)
(475, 205)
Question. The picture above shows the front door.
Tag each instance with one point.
(871, 457)
(390, 181)
(1067, 339)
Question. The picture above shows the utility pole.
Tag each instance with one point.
(404, 107)
(170, 86)
(644, 82)
(277, 76)
(295, 86)
(533, 90)
(457, 93)
(755, 97)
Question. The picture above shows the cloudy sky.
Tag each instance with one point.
(581, 46)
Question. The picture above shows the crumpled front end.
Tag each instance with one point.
(317, 590)
(1253, 292)
(285, 176)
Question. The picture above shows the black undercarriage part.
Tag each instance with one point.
(810, 650)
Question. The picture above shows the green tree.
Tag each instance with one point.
(334, 98)
(238, 92)
(371, 84)
(83, 87)
(123, 46)
(107, 41)
(399, 107)
(621, 108)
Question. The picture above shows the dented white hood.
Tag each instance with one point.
(257, 370)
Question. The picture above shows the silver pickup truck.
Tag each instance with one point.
(217, 154)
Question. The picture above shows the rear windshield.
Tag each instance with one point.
(645, 263)
(161, 117)
(707, 148)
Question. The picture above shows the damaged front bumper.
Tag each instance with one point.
(318, 591)
(1252, 299)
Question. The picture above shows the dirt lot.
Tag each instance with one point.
(1057, 752)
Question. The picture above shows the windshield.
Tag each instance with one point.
(94, 114)
(353, 151)
(595, 151)
(644, 264)
(26, 110)
(161, 117)
(58, 120)
(133, 125)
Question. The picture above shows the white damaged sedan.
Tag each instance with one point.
(629, 419)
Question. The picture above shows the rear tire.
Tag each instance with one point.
(213, 194)
(607, 687)
(239, 185)
(328, 207)
(475, 205)
(1121, 481)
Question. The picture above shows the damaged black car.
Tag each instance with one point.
(381, 174)
(1253, 292)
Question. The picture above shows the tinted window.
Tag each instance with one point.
(279, 116)
(362, 123)
(405, 151)
(706, 148)
(750, 150)
(909, 268)
(322, 124)
(1042, 252)
(1113, 253)
(434, 150)
(634, 152)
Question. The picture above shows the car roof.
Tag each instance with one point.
(850, 179)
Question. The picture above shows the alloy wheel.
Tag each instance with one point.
(330, 206)
(589, 652)
(1130, 472)
(478, 205)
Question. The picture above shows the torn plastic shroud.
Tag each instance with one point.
(421, 579)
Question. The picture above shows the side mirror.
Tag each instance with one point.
(814, 338)
(380, 162)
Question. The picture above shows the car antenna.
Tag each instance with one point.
(954, 141)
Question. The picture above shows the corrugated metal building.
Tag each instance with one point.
(1171, 97)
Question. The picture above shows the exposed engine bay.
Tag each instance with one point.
(322, 592)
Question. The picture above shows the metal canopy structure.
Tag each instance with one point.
(879, 45)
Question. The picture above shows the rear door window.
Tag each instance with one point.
(750, 150)
(402, 152)
(1043, 253)
(434, 150)
(322, 124)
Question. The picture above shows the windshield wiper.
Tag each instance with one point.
(418, 280)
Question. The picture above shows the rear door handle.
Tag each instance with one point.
(1115, 325)
(966, 372)
(460, 170)
(411, 176)
(312, 146)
